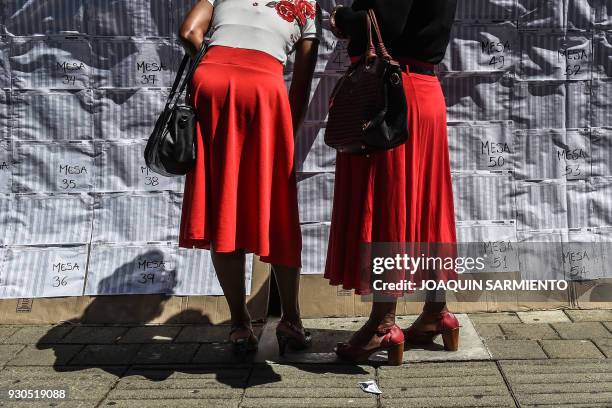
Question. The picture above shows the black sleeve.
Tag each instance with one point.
(392, 16)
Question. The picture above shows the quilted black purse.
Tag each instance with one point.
(171, 148)
(367, 108)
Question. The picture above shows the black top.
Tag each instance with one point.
(418, 29)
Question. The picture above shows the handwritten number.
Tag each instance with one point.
(59, 281)
(146, 278)
(66, 184)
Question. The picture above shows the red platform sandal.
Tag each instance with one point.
(392, 340)
(447, 326)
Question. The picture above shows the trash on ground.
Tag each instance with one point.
(370, 386)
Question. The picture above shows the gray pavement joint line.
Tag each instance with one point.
(508, 385)
(379, 403)
(23, 346)
(543, 349)
(568, 315)
(177, 336)
(117, 380)
(599, 348)
(246, 384)
(552, 326)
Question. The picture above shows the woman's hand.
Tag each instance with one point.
(303, 69)
(195, 26)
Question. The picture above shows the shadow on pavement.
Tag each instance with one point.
(203, 353)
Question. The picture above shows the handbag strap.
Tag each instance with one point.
(180, 83)
(371, 51)
(380, 45)
(193, 67)
(177, 80)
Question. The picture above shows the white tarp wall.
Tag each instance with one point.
(527, 85)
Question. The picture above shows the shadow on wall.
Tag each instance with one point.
(94, 17)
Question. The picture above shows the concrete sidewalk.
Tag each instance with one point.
(553, 358)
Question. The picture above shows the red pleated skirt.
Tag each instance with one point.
(242, 193)
(395, 196)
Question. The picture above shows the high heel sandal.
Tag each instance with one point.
(392, 341)
(243, 345)
(291, 336)
(447, 326)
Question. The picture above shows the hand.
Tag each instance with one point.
(332, 22)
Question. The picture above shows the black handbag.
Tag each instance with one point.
(367, 108)
(171, 148)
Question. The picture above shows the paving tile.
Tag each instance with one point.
(560, 383)
(314, 385)
(345, 324)
(327, 332)
(8, 352)
(300, 390)
(570, 349)
(219, 353)
(180, 383)
(457, 384)
(274, 373)
(94, 335)
(36, 356)
(176, 393)
(502, 317)
(54, 404)
(515, 349)
(605, 345)
(581, 330)
(489, 330)
(471, 346)
(368, 402)
(48, 373)
(166, 353)
(6, 332)
(535, 331)
(150, 334)
(38, 334)
(208, 334)
(543, 316)
(165, 403)
(225, 375)
(590, 315)
(116, 354)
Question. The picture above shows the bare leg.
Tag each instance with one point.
(381, 315)
(288, 281)
(435, 303)
(230, 268)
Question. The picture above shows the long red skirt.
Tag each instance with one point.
(242, 193)
(396, 196)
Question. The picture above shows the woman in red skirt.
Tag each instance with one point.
(403, 195)
(241, 196)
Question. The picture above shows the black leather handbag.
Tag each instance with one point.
(171, 149)
(367, 108)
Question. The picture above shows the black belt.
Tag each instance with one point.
(418, 69)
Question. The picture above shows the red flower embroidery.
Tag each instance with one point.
(286, 10)
(292, 10)
(306, 9)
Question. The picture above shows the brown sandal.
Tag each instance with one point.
(292, 336)
(243, 345)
